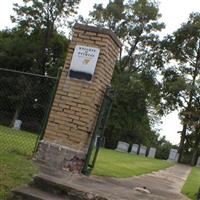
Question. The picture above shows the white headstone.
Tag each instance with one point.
(134, 148)
(198, 162)
(177, 157)
(173, 155)
(152, 152)
(17, 124)
(143, 150)
(122, 146)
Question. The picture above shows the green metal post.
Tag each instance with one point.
(99, 128)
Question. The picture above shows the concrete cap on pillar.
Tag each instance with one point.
(99, 30)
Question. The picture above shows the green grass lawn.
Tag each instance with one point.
(192, 184)
(16, 167)
(17, 141)
(122, 165)
(15, 170)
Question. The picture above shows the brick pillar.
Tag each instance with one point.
(77, 102)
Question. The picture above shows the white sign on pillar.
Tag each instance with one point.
(84, 62)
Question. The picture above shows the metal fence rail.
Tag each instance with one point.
(24, 104)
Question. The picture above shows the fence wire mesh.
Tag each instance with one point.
(24, 104)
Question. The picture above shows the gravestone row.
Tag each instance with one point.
(173, 155)
(142, 150)
(136, 149)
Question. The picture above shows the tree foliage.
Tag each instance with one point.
(181, 81)
(34, 45)
(43, 18)
(43, 14)
(22, 51)
(37, 45)
(135, 81)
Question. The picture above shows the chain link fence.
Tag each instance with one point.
(25, 100)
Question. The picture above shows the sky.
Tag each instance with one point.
(174, 13)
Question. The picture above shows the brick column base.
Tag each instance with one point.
(58, 157)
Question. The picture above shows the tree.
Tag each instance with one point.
(16, 50)
(130, 119)
(34, 45)
(111, 16)
(181, 82)
(136, 23)
(19, 51)
(137, 89)
(44, 14)
(43, 17)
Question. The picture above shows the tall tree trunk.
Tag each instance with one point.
(16, 115)
(195, 150)
(191, 96)
(182, 143)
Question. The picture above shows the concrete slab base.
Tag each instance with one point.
(162, 185)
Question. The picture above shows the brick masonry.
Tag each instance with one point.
(77, 103)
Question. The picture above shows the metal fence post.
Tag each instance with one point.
(99, 130)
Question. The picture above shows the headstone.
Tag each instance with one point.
(152, 152)
(198, 162)
(134, 148)
(143, 150)
(177, 157)
(17, 124)
(122, 146)
(173, 155)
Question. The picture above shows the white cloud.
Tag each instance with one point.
(170, 127)
(87, 6)
(176, 12)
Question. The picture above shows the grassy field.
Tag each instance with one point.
(16, 141)
(16, 167)
(122, 165)
(15, 170)
(192, 184)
